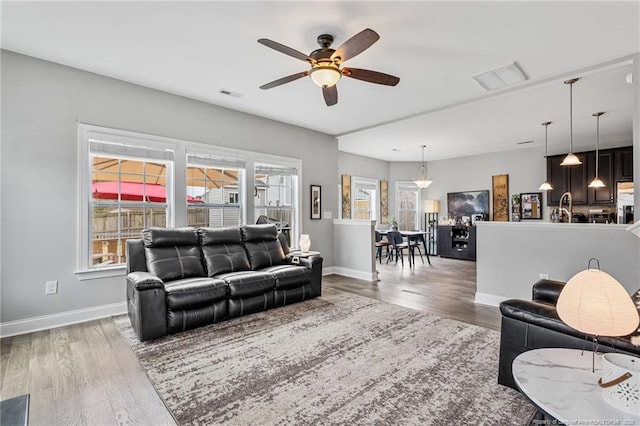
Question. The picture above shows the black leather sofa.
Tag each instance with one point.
(183, 278)
(535, 324)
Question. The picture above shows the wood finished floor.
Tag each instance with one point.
(85, 374)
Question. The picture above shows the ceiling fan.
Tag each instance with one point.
(325, 64)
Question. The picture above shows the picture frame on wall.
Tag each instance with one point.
(531, 205)
(316, 202)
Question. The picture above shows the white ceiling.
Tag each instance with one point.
(194, 49)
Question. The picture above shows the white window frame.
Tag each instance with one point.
(405, 184)
(176, 185)
(284, 162)
(375, 208)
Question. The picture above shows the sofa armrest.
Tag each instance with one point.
(144, 280)
(146, 305)
(315, 264)
(547, 291)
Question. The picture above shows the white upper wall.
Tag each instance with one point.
(41, 103)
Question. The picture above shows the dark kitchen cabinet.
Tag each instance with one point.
(457, 242)
(567, 179)
(616, 165)
(623, 164)
(604, 195)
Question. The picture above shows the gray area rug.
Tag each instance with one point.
(336, 360)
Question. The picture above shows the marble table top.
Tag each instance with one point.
(560, 382)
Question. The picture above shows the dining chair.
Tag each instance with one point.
(397, 246)
(414, 242)
(379, 244)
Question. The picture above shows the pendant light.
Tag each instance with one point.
(423, 181)
(597, 182)
(571, 159)
(546, 186)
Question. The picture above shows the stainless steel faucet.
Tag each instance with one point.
(561, 209)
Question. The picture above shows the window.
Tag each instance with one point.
(364, 198)
(129, 181)
(407, 200)
(129, 186)
(276, 198)
(213, 191)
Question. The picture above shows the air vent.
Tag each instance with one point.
(523, 142)
(230, 93)
(501, 77)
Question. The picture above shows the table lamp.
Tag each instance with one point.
(305, 243)
(595, 303)
(431, 206)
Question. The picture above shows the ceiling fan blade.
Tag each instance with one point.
(371, 76)
(284, 80)
(356, 45)
(330, 95)
(286, 50)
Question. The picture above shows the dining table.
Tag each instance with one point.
(411, 235)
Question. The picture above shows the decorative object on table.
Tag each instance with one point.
(422, 181)
(597, 182)
(384, 200)
(571, 159)
(316, 202)
(346, 196)
(531, 205)
(620, 382)
(500, 184)
(545, 186)
(515, 207)
(467, 203)
(305, 243)
(595, 303)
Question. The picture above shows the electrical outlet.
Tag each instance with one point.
(51, 287)
(543, 276)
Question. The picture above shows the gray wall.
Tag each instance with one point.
(41, 102)
(357, 165)
(526, 169)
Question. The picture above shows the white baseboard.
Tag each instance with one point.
(353, 273)
(328, 270)
(490, 299)
(45, 322)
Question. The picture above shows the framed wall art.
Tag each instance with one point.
(531, 205)
(500, 198)
(384, 201)
(346, 196)
(316, 202)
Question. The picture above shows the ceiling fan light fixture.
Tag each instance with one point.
(325, 75)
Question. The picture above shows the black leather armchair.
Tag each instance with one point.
(183, 278)
(535, 324)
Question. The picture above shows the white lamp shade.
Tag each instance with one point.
(571, 160)
(545, 186)
(597, 183)
(595, 303)
(422, 182)
(325, 76)
(431, 206)
(305, 243)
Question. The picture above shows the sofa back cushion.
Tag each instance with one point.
(173, 253)
(223, 250)
(263, 246)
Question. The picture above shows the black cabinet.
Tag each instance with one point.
(567, 179)
(457, 242)
(623, 164)
(604, 195)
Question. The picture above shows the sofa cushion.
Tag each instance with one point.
(248, 283)
(191, 293)
(169, 237)
(223, 250)
(173, 253)
(263, 246)
(289, 276)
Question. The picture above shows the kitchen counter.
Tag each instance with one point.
(511, 256)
